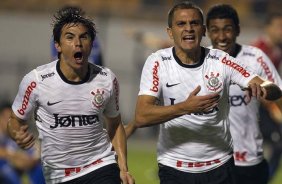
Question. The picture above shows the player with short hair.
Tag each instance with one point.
(271, 44)
(195, 144)
(223, 29)
(69, 97)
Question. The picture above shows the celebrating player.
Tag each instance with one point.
(195, 144)
(223, 29)
(69, 97)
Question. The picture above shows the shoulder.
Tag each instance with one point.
(46, 71)
(162, 54)
(41, 72)
(249, 50)
(46, 66)
(215, 54)
(102, 71)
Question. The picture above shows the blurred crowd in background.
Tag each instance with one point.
(127, 32)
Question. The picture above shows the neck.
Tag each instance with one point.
(72, 74)
(189, 57)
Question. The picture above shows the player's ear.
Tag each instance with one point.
(58, 47)
(204, 30)
(169, 32)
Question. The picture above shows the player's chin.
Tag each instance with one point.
(79, 64)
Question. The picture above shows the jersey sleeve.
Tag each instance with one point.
(238, 72)
(26, 97)
(267, 69)
(150, 83)
(112, 107)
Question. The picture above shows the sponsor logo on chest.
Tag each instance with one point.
(213, 82)
(74, 120)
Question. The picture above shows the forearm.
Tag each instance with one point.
(18, 131)
(119, 143)
(118, 138)
(130, 129)
(13, 126)
(150, 115)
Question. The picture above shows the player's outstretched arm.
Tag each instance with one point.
(118, 138)
(18, 131)
(148, 113)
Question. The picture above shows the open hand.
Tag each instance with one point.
(204, 103)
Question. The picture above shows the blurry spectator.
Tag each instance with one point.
(271, 41)
(95, 56)
(15, 162)
(271, 44)
(145, 43)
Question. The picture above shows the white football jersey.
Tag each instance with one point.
(197, 142)
(68, 114)
(244, 118)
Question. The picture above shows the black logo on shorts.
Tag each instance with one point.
(171, 85)
(52, 103)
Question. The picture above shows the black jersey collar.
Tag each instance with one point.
(86, 78)
(202, 58)
(236, 50)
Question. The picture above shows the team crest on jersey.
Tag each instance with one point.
(98, 99)
(213, 84)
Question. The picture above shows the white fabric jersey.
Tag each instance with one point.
(73, 141)
(247, 139)
(201, 141)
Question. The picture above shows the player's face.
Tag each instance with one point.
(187, 29)
(223, 33)
(75, 46)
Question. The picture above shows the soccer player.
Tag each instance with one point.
(271, 44)
(193, 147)
(223, 29)
(69, 97)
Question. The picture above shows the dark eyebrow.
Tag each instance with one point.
(198, 21)
(85, 33)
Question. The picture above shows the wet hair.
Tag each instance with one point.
(183, 5)
(272, 16)
(223, 11)
(71, 15)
